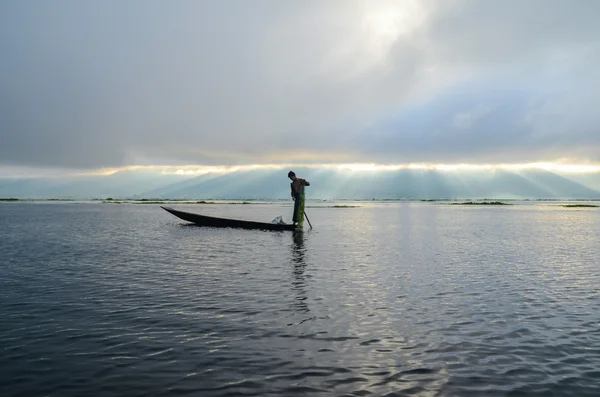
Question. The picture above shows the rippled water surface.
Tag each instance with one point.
(392, 299)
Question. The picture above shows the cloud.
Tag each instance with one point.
(108, 84)
(466, 120)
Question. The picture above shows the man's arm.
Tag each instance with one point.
(305, 182)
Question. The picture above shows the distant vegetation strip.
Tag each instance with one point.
(12, 199)
(332, 206)
(110, 200)
(146, 201)
(481, 203)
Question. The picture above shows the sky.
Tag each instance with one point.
(108, 84)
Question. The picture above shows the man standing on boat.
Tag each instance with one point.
(297, 187)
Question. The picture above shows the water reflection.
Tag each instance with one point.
(299, 266)
(298, 249)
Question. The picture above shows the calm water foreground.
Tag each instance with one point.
(398, 299)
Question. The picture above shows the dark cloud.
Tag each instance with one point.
(110, 83)
(484, 123)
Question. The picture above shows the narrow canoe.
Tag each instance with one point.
(203, 220)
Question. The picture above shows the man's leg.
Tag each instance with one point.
(296, 207)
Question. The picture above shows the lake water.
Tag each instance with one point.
(423, 299)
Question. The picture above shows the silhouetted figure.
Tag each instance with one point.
(297, 188)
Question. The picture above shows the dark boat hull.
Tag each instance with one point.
(203, 220)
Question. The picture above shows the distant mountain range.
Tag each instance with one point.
(326, 183)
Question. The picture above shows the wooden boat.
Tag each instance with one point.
(203, 220)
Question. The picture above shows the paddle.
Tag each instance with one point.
(306, 216)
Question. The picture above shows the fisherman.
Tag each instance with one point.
(297, 187)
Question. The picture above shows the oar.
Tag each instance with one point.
(306, 216)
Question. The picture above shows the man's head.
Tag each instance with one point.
(292, 175)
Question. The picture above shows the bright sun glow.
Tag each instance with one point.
(556, 167)
(388, 20)
(383, 23)
(196, 170)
